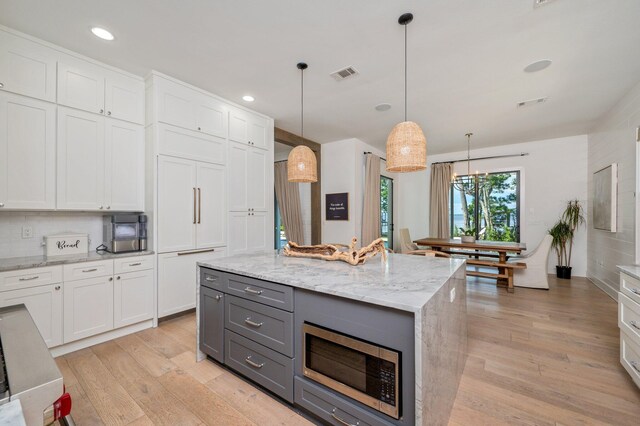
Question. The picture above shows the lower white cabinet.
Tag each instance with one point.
(44, 303)
(88, 307)
(177, 279)
(248, 231)
(132, 298)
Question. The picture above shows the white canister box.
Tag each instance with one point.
(66, 244)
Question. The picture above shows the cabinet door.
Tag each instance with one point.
(194, 145)
(177, 204)
(258, 231)
(124, 166)
(211, 116)
(88, 307)
(81, 85)
(239, 126)
(212, 323)
(258, 132)
(212, 206)
(27, 68)
(44, 303)
(124, 98)
(176, 104)
(133, 298)
(238, 224)
(27, 153)
(238, 166)
(80, 160)
(257, 191)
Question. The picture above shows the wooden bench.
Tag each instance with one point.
(504, 276)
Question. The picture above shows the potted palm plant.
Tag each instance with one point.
(563, 233)
(467, 235)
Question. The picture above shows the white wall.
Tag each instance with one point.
(44, 223)
(613, 141)
(554, 172)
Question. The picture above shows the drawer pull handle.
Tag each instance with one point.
(635, 366)
(135, 264)
(253, 323)
(35, 277)
(253, 364)
(635, 291)
(90, 270)
(218, 297)
(183, 253)
(252, 291)
(635, 325)
(341, 421)
(210, 279)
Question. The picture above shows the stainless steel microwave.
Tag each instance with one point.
(360, 370)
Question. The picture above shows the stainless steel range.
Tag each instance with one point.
(28, 372)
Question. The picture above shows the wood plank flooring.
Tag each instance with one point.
(535, 358)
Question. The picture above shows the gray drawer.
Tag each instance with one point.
(330, 407)
(266, 367)
(268, 326)
(213, 279)
(272, 294)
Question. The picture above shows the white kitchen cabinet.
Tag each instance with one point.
(133, 298)
(238, 228)
(258, 190)
(100, 163)
(88, 307)
(177, 276)
(248, 178)
(191, 204)
(194, 145)
(27, 153)
(44, 303)
(248, 231)
(27, 68)
(124, 158)
(92, 88)
(238, 177)
(248, 128)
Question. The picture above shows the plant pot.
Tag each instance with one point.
(468, 239)
(563, 272)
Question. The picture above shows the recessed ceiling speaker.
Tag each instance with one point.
(383, 107)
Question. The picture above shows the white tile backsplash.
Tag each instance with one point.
(44, 223)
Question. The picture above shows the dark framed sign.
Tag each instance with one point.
(337, 206)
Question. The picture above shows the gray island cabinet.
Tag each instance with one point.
(378, 344)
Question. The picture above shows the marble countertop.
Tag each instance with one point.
(402, 282)
(15, 263)
(633, 270)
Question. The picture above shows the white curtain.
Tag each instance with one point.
(439, 204)
(288, 196)
(371, 208)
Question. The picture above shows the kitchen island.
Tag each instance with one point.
(255, 312)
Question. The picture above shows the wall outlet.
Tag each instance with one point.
(452, 295)
(27, 232)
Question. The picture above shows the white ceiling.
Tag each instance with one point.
(465, 59)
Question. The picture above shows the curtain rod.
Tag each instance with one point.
(369, 152)
(280, 161)
(522, 154)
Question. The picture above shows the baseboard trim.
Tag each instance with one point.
(606, 288)
(177, 315)
(99, 338)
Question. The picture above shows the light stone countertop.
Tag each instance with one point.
(402, 282)
(633, 270)
(16, 263)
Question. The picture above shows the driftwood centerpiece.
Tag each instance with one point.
(333, 252)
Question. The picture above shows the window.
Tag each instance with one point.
(487, 205)
(280, 236)
(386, 211)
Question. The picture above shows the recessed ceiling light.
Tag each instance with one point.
(383, 107)
(102, 33)
(537, 65)
(248, 98)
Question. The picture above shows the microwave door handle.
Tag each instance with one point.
(341, 421)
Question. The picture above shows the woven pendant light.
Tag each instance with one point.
(406, 144)
(301, 163)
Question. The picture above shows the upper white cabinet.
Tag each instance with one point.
(27, 153)
(27, 68)
(100, 163)
(180, 142)
(187, 108)
(248, 128)
(249, 180)
(88, 87)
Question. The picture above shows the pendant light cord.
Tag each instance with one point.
(302, 103)
(405, 73)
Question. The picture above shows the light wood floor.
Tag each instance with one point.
(535, 357)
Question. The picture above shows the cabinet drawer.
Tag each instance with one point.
(630, 357)
(272, 294)
(268, 326)
(331, 408)
(266, 367)
(630, 287)
(79, 271)
(26, 278)
(213, 279)
(629, 317)
(132, 264)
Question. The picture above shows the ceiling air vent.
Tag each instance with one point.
(344, 73)
(532, 102)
